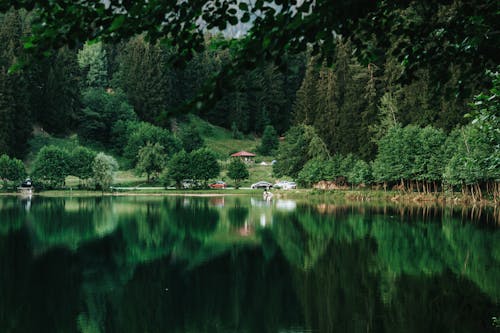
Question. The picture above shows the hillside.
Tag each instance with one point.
(215, 138)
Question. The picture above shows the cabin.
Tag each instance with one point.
(245, 156)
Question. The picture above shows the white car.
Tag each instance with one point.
(285, 185)
(261, 184)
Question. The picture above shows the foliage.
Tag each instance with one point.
(312, 172)
(150, 160)
(15, 111)
(360, 173)
(101, 112)
(236, 134)
(269, 141)
(103, 169)
(140, 133)
(301, 144)
(237, 171)
(190, 138)
(178, 168)
(92, 60)
(80, 163)
(51, 166)
(55, 97)
(150, 84)
(204, 165)
(11, 170)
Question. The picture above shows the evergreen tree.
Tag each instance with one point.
(301, 144)
(148, 81)
(235, 132)
(15, 112)
(387, 117)
(190, 138)
(55, 97)
(269, 141)
(304, 110)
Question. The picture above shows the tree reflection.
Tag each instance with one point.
(169, 264)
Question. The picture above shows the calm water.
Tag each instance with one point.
(237, 264)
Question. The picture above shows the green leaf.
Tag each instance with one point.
(243, 6)
(15, 67)
(28, 45)
(117, 23)
(245, 18)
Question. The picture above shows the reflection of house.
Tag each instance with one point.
(245, 156)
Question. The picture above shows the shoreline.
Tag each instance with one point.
(325, 195)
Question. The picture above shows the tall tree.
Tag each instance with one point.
(237, 171)
(148, 80)
(55, 96)
(15, 112)
(204, 165)
(150, 160)
(269, 142)
(92, 60)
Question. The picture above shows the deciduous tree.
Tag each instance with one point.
(237, 171)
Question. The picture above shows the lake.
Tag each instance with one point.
(239, 264)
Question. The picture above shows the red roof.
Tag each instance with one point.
(243, 154)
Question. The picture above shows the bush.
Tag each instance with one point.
(103, 169)
(51, 166)
(11, 171)
(80, 163)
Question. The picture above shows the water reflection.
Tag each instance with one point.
(239, 264)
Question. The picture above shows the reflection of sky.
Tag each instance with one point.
(286, 205)
(278, 204)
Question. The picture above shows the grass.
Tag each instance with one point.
(216, 138)
(221, 141)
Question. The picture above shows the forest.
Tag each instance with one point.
(410, 102)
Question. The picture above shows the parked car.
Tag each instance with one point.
(190, 184)
(218, 184)
(285, 185)
(262, 184)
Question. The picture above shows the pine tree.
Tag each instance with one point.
(15, 111)
(148, 80)
(304, 110)
(269, 141)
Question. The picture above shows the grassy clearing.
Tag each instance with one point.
(221, 141)
(216, 138)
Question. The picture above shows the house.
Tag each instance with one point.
(245, 156)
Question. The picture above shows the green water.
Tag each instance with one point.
(238, 264)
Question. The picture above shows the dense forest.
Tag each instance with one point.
(353, 99)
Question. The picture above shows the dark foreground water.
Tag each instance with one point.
(237, 264)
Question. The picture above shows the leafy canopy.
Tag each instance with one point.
(421, 31)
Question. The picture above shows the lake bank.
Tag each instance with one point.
(455, 198)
